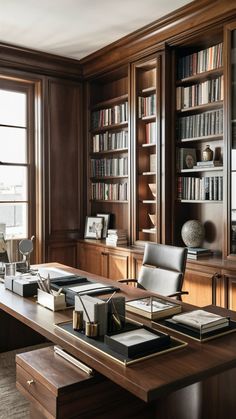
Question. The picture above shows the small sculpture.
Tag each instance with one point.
(193, 233)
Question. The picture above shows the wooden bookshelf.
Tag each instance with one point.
(197, 127)
(108, 151)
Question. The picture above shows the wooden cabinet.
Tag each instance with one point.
(113, 263)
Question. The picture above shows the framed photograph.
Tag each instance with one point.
(93, 228)
(106, 220)
(187, 158)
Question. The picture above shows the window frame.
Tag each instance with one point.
(27, 87)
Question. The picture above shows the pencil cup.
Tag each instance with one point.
(77, 320)
(91, 329)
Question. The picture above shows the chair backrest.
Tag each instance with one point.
(163, 268)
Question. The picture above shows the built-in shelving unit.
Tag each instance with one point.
(108, 151)
(199, 127)
(146, 95)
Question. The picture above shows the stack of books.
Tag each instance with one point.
(206, 164)
(116, 237)
(201, 321)
(198, 252)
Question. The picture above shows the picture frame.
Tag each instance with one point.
(93, 227)
(187, 158)
(106, 220)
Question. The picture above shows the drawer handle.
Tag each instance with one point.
(29, 382)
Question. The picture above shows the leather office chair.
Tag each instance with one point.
(162, 270)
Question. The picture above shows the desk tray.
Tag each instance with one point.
(99, 345)
(189, 332)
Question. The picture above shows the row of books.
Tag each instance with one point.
(110, 191)
(199, 125)
(146, 105)
(207, 188)
(199, 94)
(116, 237)
(151, 137)
(110, 141)
(110, 167)
(198, 62)
(110, 116)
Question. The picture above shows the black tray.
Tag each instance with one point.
(99, 344)
(193, 334)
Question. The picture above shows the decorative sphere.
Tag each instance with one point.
(193, 233)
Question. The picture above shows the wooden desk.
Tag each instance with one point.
(163, 382)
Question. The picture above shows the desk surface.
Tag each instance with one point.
(148, 379)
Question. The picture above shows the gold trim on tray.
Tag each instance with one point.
(226, 332)
(124, 362)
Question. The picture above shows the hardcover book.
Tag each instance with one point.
(202, 320)
(153, 307)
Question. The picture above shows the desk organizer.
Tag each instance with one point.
(100, 345)
(50, 301)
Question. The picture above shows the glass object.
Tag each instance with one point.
(10, 270)
(207, 154)
(13, 108)
(13, 145)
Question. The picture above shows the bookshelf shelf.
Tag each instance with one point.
(110, 102)
(105, 152)
(205, 107)
(148, 90)
(205, 138)
(108, 177)
(202, 169)
(109, 127)
(148, 174)
(108, 201)
(199, 201)
(148, 201)
(200, 76)
(149, 230)
(148, 118)
(148, 145)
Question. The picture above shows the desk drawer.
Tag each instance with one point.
(52, 383)
(34, 388)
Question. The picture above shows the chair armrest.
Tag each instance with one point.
(126, 281)
(177, 294)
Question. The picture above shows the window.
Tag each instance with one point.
(16, 158)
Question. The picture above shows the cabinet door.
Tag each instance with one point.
(201, 287)
(231, 291)
(118, 265)
(90, 258)
(136, 263)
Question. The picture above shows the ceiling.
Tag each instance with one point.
(76, 28)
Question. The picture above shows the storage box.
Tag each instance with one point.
(96, 309)
(136, 342)
(50, 301)
(21, 286)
